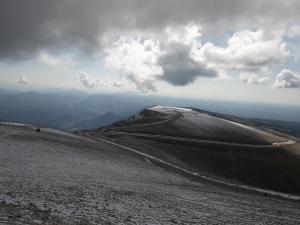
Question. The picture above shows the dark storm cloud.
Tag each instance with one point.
(179, 69)
(31, 25)
(28, 26)
(22, 25)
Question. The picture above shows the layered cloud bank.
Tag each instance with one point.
(177, 56)
(31, 25)
(171, 41)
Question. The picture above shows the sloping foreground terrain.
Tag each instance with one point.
(50, 177)
(213, 145)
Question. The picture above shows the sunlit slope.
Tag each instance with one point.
(190, 123)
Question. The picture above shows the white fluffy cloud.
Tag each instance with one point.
(91, 82)
(87, 80)
(287, 79)
(246, 51)
(253, 78)
(23, 80)
(136, 58)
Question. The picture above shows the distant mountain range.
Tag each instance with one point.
(71, 110)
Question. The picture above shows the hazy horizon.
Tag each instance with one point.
(73, 109)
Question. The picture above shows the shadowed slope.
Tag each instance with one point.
(213, 145)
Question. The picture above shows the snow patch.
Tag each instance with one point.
(168, 109)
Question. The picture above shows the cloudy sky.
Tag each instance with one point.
(228, 50)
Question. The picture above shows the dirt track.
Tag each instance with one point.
(165, 137)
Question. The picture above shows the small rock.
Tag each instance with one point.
(173, 221)
(37, 222)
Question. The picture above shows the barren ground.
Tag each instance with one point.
(53, 178)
